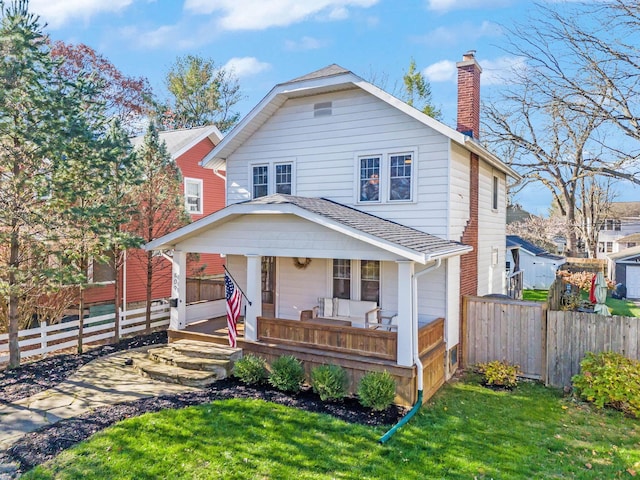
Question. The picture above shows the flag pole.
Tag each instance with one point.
(236, 284)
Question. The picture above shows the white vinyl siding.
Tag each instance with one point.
(459, 193)
(325, 148)
(272, 235)
(491, 232)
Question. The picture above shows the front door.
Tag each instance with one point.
(269, 287)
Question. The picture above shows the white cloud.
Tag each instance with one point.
(259, 14)
(443, 6)
(461, 33)
(246, 66)
(500, 70)
(494, 72)
(305, 44)
(442, 71)
(58, 12)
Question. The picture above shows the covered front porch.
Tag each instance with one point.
(355, 349)
(329, 284)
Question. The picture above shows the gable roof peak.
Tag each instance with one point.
(328, 71)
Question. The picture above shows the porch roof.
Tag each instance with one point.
(404, 241)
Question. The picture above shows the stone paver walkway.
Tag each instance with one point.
(105, 381)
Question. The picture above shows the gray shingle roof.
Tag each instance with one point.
(327, 71)
(386, 230)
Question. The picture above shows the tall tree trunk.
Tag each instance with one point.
(14, 318)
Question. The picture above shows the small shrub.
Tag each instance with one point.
(329, 381)
(610, 379)
(499, 374)
(251, 369)
(287, 373)
(377, 390)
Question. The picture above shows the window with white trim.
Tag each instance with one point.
(370, 280)
(356, 279)
(284, 176)
(400, 176)
(341, 278)
(193, 195)
(260, 181)
(270, 178)
(370, 179)
(494, 202)
(385, 177)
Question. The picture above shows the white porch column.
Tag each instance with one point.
(405, 313)
(178, 320)
(254, 294)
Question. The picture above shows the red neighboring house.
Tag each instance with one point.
(204, 193)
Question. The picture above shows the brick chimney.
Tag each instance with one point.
(469, 95)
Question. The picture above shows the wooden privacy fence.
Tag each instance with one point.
(201, 289)
(548, 345)
(572, 334)
(50, 338)
(511, 330)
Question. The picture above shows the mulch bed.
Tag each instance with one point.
(44, 444)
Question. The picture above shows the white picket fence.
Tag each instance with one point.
(50, 338)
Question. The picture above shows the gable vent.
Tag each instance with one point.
(322, 109)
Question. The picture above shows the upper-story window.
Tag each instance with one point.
(284, 178)
(193, 195)
(370, 179)
(260, 181)
(269, 178)
(400, 177)
(611, 224)
(494, 191)
(386, 177)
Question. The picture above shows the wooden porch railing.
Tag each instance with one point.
(335, 338)
(431, 336)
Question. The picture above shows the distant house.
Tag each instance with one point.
(354, 224)
(624, 268)
(203, 194)
(538, 266)
(621, 230)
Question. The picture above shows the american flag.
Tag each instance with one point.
(234, 300)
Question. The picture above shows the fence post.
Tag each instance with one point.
(122, 317)
(43, 335)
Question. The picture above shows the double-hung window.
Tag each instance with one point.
(400, 177)
(370, 281)
(356, 279)
(342, 278)
(193, 195)
(370, 179)
(284, 178)
(260, 181)
(270, 178)
(385, 177)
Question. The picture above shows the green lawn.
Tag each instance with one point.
(466, 432)
(624, 308)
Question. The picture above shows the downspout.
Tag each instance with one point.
(416, 353)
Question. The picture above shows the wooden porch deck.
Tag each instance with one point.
(357, 350)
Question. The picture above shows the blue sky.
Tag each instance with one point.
(271, 41)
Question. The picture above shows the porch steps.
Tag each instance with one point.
(190, 363)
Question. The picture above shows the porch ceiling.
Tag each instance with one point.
(400, 241)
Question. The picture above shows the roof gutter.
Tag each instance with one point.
(416, 353)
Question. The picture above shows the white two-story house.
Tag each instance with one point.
(354, 225)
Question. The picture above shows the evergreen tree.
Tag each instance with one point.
(161, 205)
(201, 94)
(417, 92)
